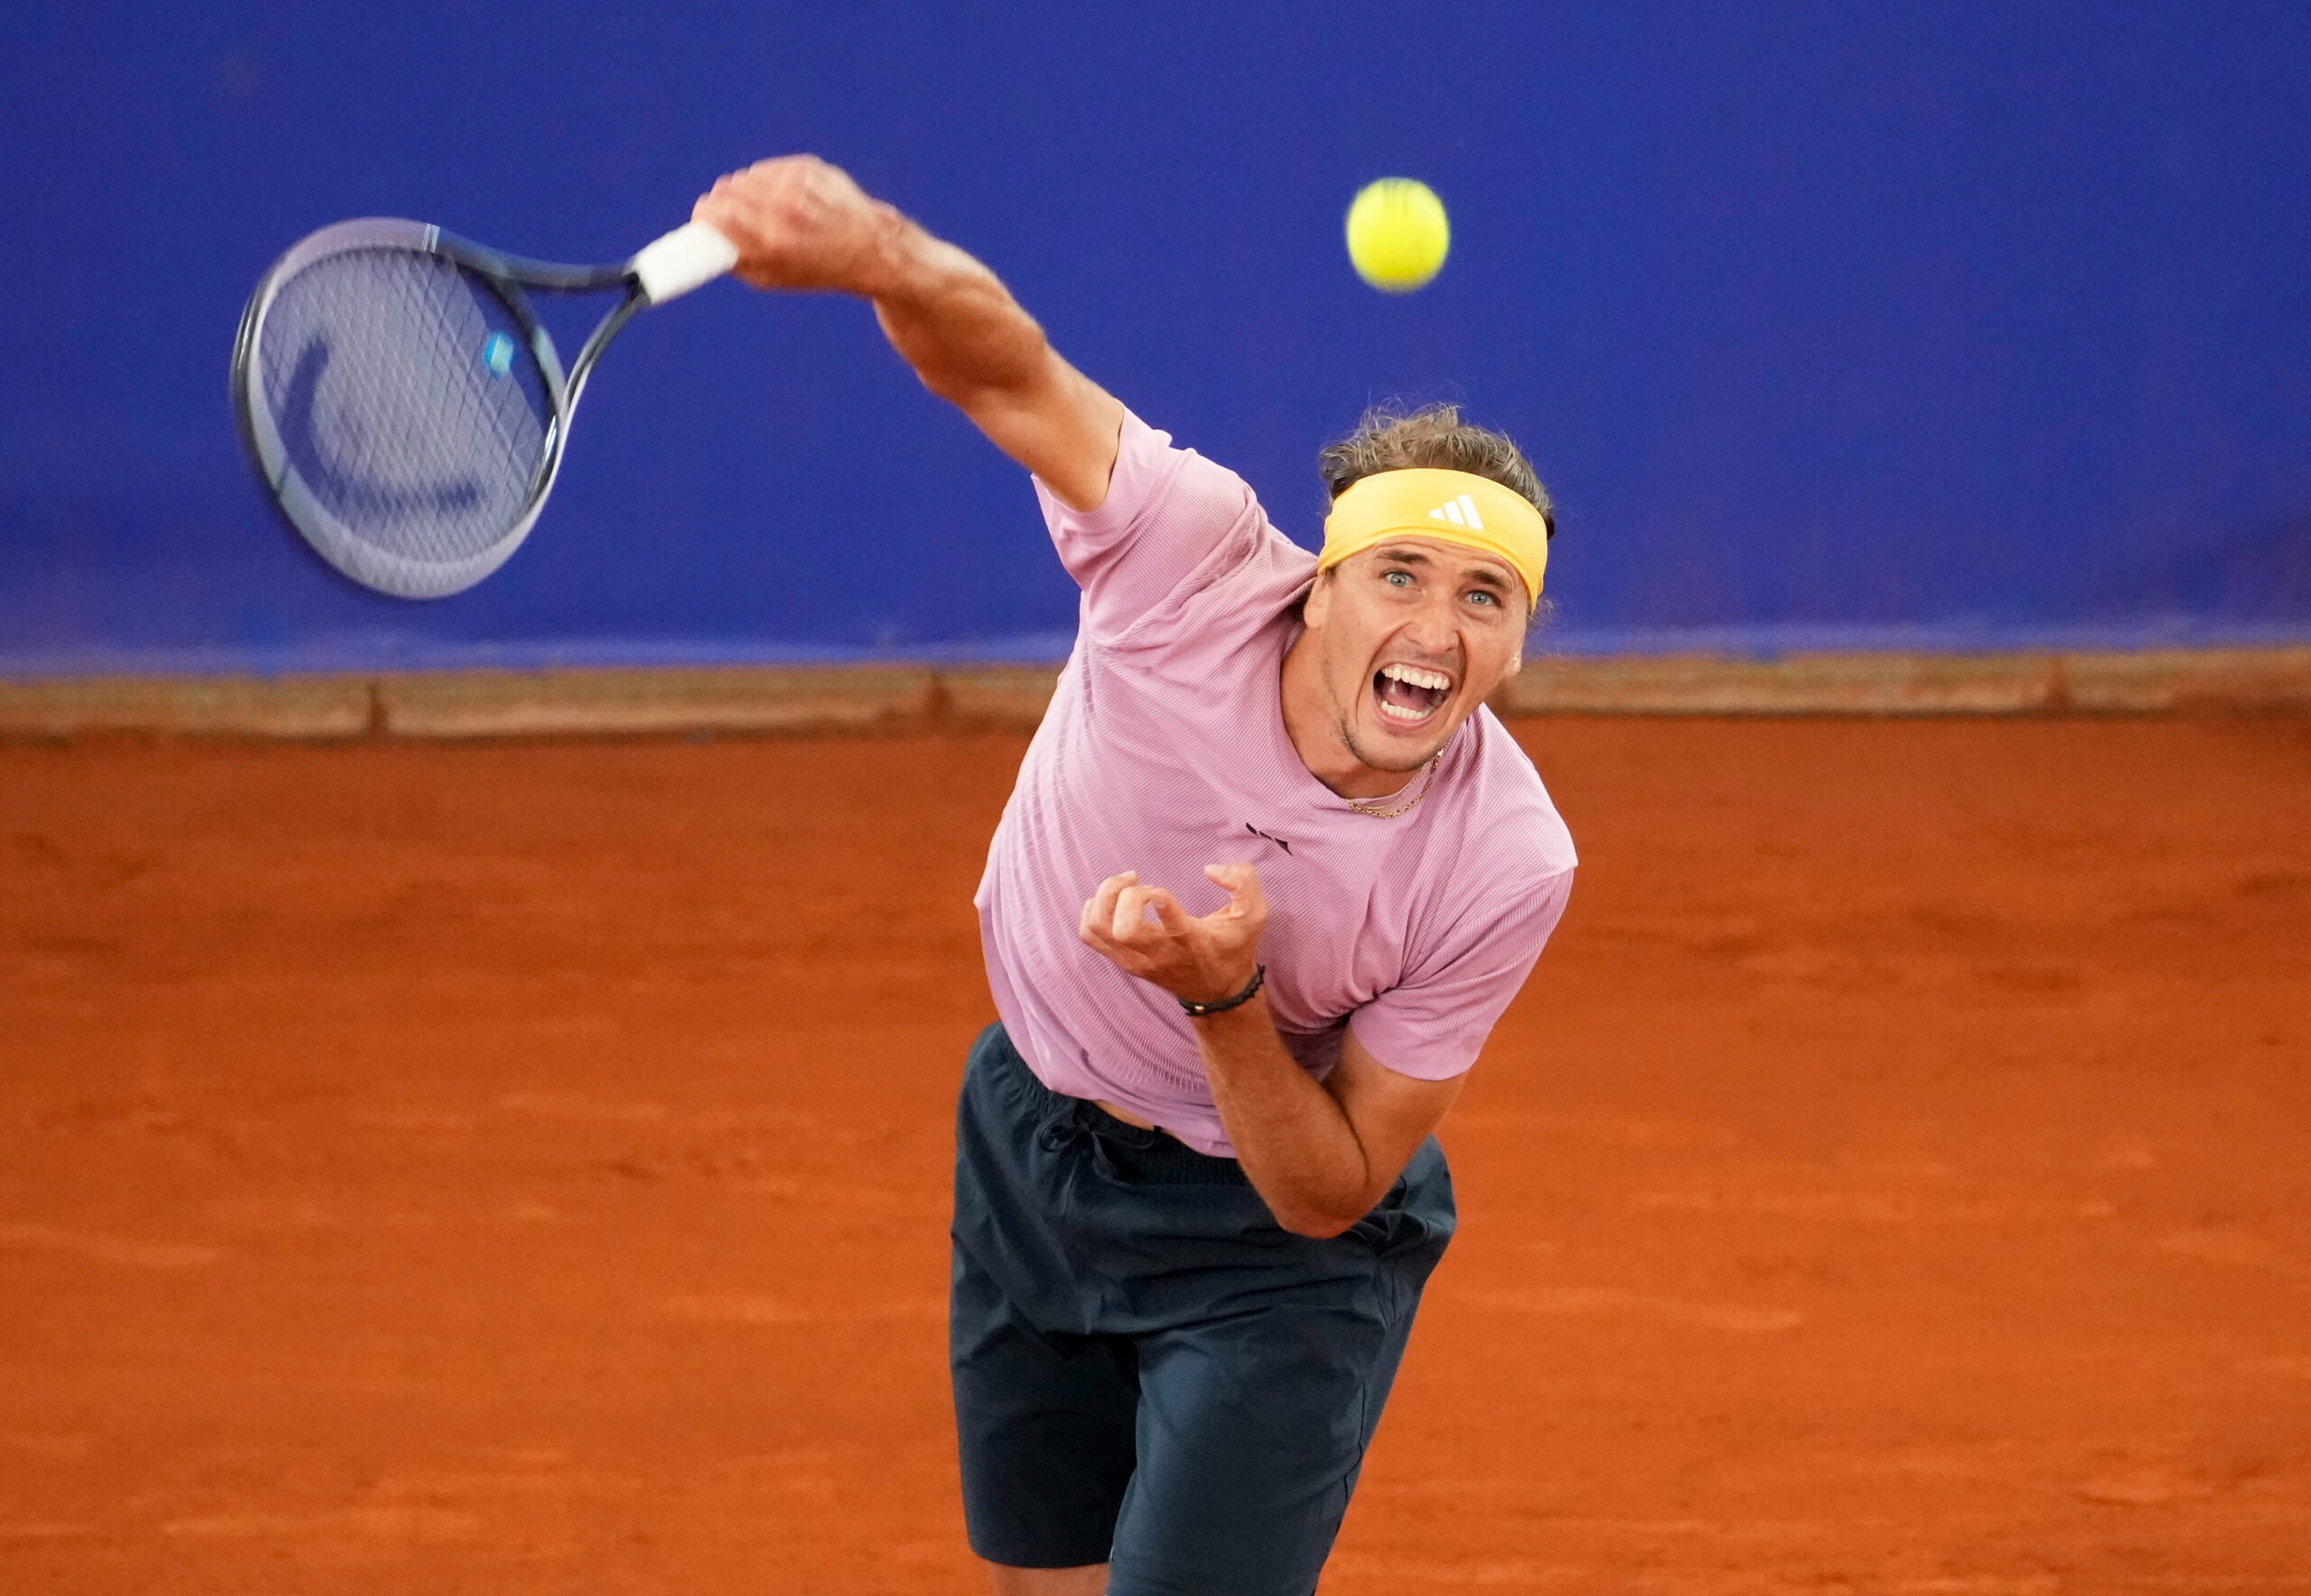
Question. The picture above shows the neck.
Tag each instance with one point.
(1312, 720)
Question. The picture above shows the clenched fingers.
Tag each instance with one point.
(797, 221)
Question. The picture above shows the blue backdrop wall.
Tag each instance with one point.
(1909, 323)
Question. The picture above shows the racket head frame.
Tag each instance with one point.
(507, 275)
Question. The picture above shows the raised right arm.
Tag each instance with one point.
(801, 224)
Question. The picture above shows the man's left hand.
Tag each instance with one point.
(1197, 961)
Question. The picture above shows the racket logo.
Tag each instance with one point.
(497, 354)
(332, 447)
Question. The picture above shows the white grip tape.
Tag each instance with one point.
(690, 257)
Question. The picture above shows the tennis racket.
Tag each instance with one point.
(404, 405)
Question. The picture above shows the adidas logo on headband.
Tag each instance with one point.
(1460, 512)
(1436, 502)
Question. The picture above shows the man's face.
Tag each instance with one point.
(1410, 636)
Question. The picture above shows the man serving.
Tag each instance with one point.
(1269, 875)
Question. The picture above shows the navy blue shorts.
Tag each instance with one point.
(1149, 1371)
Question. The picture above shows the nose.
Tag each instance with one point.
(1434, 626)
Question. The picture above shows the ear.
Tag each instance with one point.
(1319, 599)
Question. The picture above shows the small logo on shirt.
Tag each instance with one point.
(1256, 832)
(1460, 512)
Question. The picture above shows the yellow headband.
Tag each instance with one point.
(1451, 506)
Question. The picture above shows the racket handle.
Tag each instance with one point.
(690, 257)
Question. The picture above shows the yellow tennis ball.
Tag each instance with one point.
(1397, 234)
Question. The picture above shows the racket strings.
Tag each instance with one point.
(408, 401)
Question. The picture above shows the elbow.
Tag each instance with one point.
(988, 398)
(1315, 1223)
(1321, 1214)
(959, 391)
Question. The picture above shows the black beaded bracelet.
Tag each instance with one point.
(1196, 1011)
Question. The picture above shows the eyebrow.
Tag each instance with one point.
(1408, 556)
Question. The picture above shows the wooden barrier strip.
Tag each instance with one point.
(2149, 683)
(640, 702)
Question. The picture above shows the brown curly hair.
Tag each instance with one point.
(1435, 436)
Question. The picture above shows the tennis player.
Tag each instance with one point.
(1270, 874)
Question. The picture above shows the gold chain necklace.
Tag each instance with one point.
(1427, 780)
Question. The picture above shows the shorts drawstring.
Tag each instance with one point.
(1075, 1121)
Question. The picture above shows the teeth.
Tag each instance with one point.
(1418, 676)
(1435, 680)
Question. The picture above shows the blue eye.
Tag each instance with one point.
(1482, 596)
(1398, 578)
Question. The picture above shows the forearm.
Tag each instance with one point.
(1293, 1139)
(948, 316)
(971, 343)
(1320, 1154)
(801, 224)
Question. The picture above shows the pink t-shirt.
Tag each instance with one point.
(1165, 750)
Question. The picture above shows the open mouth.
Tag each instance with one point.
(1409, 694)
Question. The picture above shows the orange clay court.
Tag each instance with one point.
(522, 1168)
